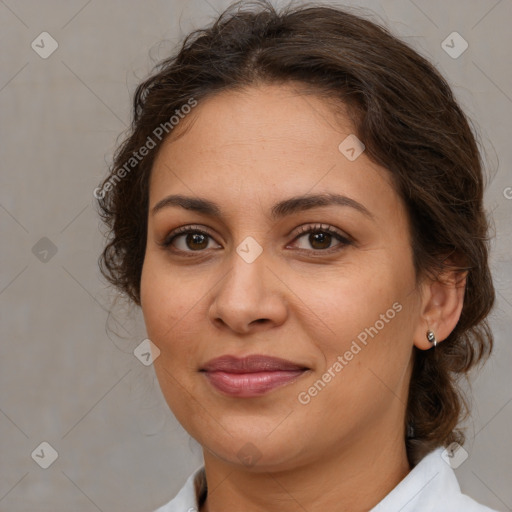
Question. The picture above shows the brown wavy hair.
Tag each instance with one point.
(405, 113)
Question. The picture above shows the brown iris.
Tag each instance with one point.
(320, 240)
(196, 241)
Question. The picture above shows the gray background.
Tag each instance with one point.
(64, 377)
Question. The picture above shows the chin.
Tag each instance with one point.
(253, 448)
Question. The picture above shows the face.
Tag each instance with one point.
(267, 240)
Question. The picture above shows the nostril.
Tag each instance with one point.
(219, 321)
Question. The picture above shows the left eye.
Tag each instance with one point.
(319, 239)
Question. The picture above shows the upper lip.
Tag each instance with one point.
(250, 364)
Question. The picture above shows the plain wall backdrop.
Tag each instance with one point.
(67, 380)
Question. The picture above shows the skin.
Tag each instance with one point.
(245, 151)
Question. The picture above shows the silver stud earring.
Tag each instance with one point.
(431, 337)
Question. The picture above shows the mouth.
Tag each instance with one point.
(250, 376)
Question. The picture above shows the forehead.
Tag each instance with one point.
(268, 141)
(283, 115)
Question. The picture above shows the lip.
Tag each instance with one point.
(250, 376)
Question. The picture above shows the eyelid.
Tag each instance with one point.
(297, 232)
(309, 228)
(183, 230)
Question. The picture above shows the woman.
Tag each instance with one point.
(298, 212)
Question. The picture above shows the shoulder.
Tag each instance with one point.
(187, 499)
(430, 486)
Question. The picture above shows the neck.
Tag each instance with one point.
(355, 478)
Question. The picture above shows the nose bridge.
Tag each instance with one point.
(246, 295)
(245, 280)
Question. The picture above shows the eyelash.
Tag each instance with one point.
(302, 230)
(323, 228)
(184, 230)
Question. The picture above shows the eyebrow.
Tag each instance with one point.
(279, 210)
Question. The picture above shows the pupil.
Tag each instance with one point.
(320, 240)
(196, 241)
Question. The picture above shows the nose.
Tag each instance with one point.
(249, 298)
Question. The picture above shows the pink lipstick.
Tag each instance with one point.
(250, 376)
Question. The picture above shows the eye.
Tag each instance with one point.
(189, 239)
(319, 238)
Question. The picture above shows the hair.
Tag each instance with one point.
(405, 113)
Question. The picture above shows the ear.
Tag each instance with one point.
(441, 306)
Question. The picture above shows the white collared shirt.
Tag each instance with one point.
(431, 486)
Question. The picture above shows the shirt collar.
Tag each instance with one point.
(431, 484)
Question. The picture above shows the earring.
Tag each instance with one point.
(431, 337)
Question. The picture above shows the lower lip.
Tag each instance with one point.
(251, 384)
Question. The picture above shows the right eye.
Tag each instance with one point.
(189, 239)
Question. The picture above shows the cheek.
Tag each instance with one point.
(366, 319)
(366, 357)
(358, 303)
(167, 303)
(168, 308)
